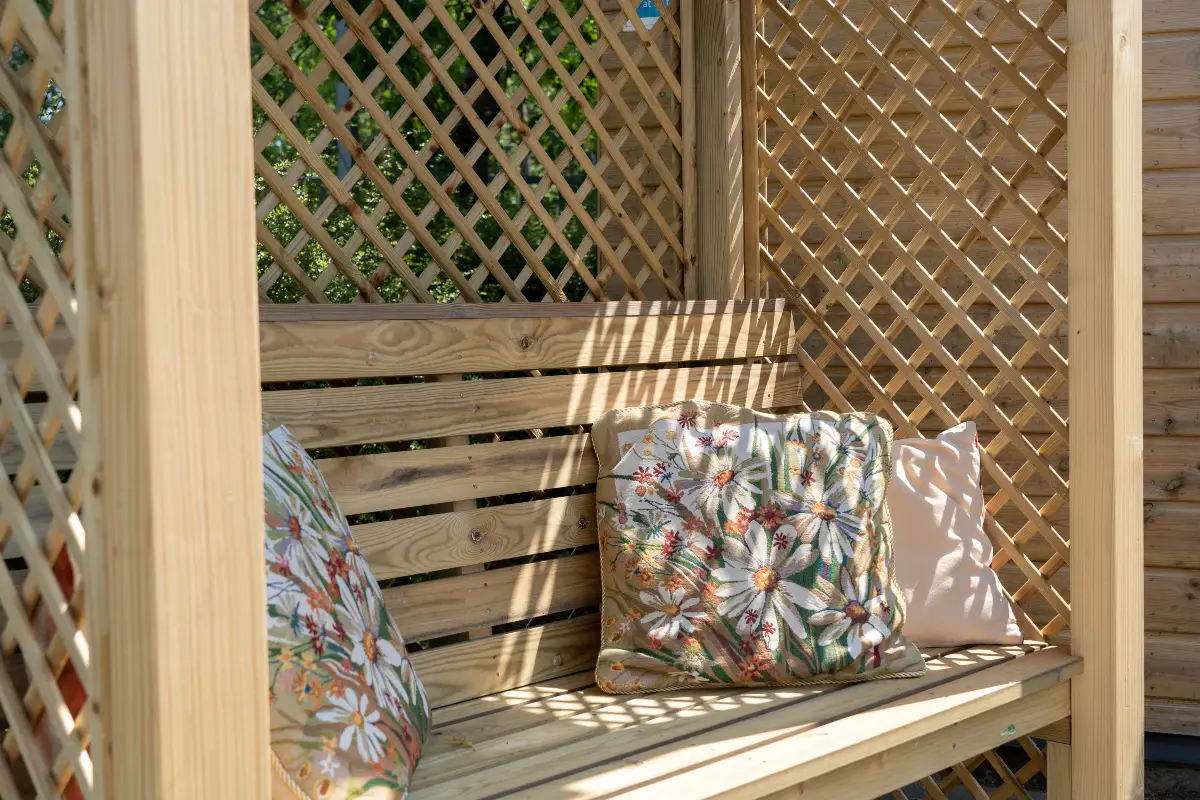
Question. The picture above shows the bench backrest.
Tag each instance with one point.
(455, 439)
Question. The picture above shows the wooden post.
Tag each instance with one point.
(1058, 771)
(720, 268)
(1104, 225)
(164, 228)
(750, 227)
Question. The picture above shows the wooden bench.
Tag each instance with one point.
(490, 447)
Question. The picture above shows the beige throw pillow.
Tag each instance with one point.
(936, 505)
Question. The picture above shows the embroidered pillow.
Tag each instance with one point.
(953, 597)
(743, 548)
(348, 714)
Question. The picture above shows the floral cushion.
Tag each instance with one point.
(348, 714)
(745, 549)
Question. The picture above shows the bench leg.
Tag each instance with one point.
(1058, 771)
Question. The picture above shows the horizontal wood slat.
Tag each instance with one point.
(908, 762)
(363, 414)
(433, 542)
(375, 347)
(459, 672)
(1173, 716)
(601, 759)
(429, 609)
(445, 474)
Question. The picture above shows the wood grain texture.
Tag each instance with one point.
(635, 757)
(1171, 666)
(445, 474)
(172, 370)
(463, 671)
(1058, 771)
(429, 609)
(433, 542)
(1105, 212)
(374, 347)
(438, 311)
(909, 762)
(1172, 716)
(364, 414)
(720, 249)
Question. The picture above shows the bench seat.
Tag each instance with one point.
(564, 738)
(457, 439)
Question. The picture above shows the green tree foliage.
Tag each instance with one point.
(276, 15)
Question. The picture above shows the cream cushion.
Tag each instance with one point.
(942, 553)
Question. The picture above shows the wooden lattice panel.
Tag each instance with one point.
(42, 692)
(911, 161)
(477, 151)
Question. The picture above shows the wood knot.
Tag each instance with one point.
(557, 660)
(476, 535)
(525, 342)
(582, 523)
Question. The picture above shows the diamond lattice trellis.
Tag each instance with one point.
(48, 675)
(911, 183)
(477, 151)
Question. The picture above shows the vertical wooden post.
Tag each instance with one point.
(1104, 225)
(163, 219)
(687, 80)
(750, 229)
(1058, 771)
(720, 270)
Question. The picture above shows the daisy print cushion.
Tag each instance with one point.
(348, 714)
(745, 549)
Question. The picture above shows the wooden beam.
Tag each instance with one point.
(747, 28)
(1058, 771)
(164, 231)
(1104, 221)
(720, 246)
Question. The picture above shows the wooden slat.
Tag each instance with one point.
(498, 702)
(412, 311)
(801, 754)
(376, 347)
(741, 721)
(459, 672)
(440, 758)
(445, 474)
(429, 609)
(1169, 716)
(1171, 660)
(364, 414)
(433, 542)
(913, 760)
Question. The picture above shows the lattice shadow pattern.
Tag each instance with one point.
(48, 667)
(467, 150)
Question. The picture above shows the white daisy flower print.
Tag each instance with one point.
(756, 589)
(380, 660)
(832, 521)
(671, 612)
(730, 484)
(852, 613)
(362, 730)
